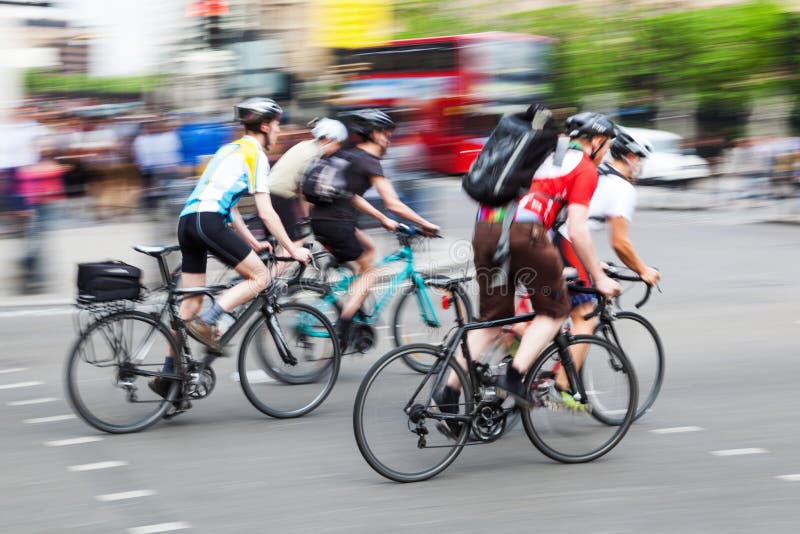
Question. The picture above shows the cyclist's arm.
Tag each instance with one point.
(240, 227)
(393, 203)
(271, 220)
(578, 229)
(623, 247)
(621, 243)
(363, 205)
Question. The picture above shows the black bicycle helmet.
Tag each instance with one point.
(589, 124)
(365, 121)
(254, 111)
(626, 143)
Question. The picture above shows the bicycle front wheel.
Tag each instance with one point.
(107, 372)
(397, 426)
(425, 315)
(571, 432)
(289, 361)
(639, 341)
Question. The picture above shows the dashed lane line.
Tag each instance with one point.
(125, 495)
(50, 419)
(27, 402)
(73, 441)
(12, 370)
(160, 527)
(18, 385)
(789, 478)
(677, 430)
(739, 452)
(96, 466)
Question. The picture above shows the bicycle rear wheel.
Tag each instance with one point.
(296, 384)
(108, 368)
(410, 325)
(639, 341)
(395, 425)
(573, 434)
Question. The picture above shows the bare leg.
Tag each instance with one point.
(256, 279)
(541, 331)
(477, 341)
(579, 326)
(360, 287)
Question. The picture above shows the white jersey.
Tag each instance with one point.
(614, 197)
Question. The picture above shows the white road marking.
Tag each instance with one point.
(161, 527)
(13, 370)
(96, 466)
(51, 419)
(789, 478)
(739, 452)
(125, 495)
(32, 401)
(797, 322)
(35, 313)
(256, 376)
(677, 430)
(21, 385)
(72, 441)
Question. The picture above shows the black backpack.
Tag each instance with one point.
(517, 146)
(324, 180)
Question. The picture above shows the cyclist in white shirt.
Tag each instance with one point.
(613, 203)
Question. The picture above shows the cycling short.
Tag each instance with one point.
(288, 211)
(570, 259)
(338, 236)
(204, 232)
(534, 263)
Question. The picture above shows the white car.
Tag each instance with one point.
(669, 162)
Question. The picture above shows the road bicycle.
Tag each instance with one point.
(405, 436)
(283, 371)
(631, 332)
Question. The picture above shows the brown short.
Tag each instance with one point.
(535, 264)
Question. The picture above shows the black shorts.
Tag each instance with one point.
(288, 211)
(339, 237)
(201, 233)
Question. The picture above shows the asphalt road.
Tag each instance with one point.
(718, 452)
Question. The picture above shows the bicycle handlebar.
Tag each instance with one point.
(404, 230)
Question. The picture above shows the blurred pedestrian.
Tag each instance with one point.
(40, 186)
(157, 152)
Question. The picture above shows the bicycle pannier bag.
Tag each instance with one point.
(324, 180)
(108, 280)
(517, 146)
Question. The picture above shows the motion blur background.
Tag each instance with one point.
(107, 116)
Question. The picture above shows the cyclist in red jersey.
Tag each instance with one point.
(534, 261)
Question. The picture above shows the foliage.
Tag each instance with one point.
(722, 56)
(43, 81)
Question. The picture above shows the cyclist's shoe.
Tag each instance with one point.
(204, 333)
(446, 399)
(160, 386)
(511, 382)
(553, 398)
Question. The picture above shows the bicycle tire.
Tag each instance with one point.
(401, 337)
(111, 326)
(364, 436)
(269, 363)
(563, 431)
(647, 399)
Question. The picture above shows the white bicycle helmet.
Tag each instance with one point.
(330, 129)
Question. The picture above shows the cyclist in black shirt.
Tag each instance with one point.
(334, 224)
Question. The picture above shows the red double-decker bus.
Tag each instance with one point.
(448, 92)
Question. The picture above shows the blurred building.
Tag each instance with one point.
(31, 36)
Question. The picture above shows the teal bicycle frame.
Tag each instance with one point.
(404, 253)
